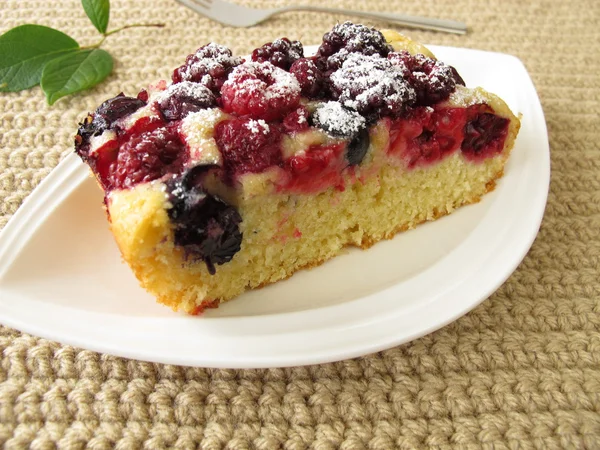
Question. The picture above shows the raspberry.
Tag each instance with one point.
(281, 53)
(373, 86)
(432, 80)
(260, 90)
(485, 133)
(248, 145)
(209, 65)
(297, 120)
(103, 119)
(310, 77)
(205, 226)
(348, 38)
(146, 157)
(183, 98)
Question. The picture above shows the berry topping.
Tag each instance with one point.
(205, 226)
(432, 80)
(485, 133)
(248, 145)
(260, 90)
(146, 157)
(310, 77)
(281, 53)
(143, 95)
(338, 121)
(357, 147)
(297, 120)
(104, 117)
(183, 98)
(348, 38)
(210, 65)
(373, 86)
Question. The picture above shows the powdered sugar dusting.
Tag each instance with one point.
(337, 120)
(258, 126)
(365, 83)
(209, 58)
(264, 77)
(187, 89)
(197, 131)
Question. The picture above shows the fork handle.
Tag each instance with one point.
(426, 23)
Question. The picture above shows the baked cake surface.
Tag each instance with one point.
(238, 173)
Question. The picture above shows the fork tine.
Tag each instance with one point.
(203, 4)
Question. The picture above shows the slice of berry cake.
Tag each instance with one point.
(238, 173)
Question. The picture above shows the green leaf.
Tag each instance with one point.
(98, 11)
(25, 50)
(75, 72)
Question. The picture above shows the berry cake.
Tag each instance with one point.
(239, 172)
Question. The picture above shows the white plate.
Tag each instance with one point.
(61, 276)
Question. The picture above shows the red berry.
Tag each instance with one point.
(260, 90)
(248, 145)
(146, 157)
(297, 120)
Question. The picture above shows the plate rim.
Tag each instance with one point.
(67, 176)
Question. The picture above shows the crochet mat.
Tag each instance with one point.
(520, 371)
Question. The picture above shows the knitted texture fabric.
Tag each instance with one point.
(521, 371)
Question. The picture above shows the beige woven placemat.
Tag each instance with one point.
(520, 371)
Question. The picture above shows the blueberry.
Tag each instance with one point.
(205, 226)
(357, 148)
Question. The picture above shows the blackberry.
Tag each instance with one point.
(103, 119)
(373, 86)
(311, 79)
(209, 65)
(348, 38)
(432, 80)
(183, 98)
(281, 53)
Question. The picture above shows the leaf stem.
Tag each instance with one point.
(116, 30)
(134, 25)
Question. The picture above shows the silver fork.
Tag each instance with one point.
(242, 16)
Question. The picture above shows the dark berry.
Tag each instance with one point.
(338, 121)
(348, 38)
(183, 98)
(209, 65)
(297, 120)
(432, 80)
(261, 91)
(484, 134)
(248, 145)
(311, 79)
(357, 148)
(146, 157)
(206, 227)
(373, 86)
(281, 53)
(103, 119)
